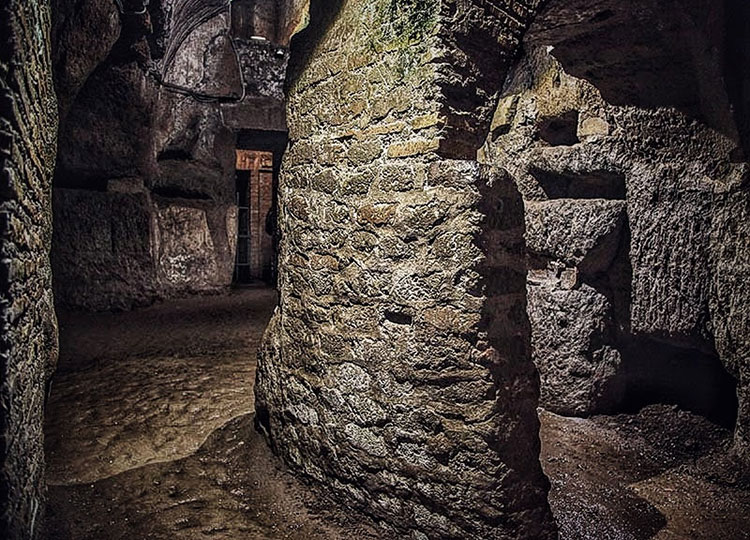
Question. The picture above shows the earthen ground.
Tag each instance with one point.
(149, 434)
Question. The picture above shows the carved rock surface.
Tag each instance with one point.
(636, 192)
(582, 234)
(126, 139)
(573, 348)
(28, 326)
(132, 250)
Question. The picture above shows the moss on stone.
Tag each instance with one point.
(401, 23)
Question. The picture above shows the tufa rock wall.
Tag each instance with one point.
(635, 210)
(396, 372)
(168, 157)
(28, 346)
(125, 248)
(138, 163)
(730, 288)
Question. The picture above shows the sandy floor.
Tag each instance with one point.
(150, 435)
(151, 385)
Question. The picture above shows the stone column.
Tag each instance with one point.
(396, 372)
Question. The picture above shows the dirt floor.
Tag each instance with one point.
(150, 435)
(662, 473)
(149, 430)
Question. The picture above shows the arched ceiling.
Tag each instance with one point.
(186, 16)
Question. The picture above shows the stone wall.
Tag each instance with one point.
(635, 196)
(76, 26)
(730, 289)
(104, 249)
(294, 15)
(28, 342)
(122, 249)
(396, 371)
(264, 65)
(157, 160)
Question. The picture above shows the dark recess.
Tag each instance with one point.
(69, 180)
(302, 45)
(398, 318)
(174, 154)
(659, 372)
(560, 130)
(178, 192)
(576, 185)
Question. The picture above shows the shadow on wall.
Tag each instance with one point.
(650, 53)
(505, 327)
(321, 16)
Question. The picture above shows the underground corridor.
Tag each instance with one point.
(385, 269)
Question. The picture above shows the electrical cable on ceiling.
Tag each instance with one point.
(202, 96)
(201, 11)
(189, 16)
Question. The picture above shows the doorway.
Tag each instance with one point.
(255, 218)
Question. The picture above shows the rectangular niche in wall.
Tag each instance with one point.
(254, 201)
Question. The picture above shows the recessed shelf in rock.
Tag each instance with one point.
(580, 185)
(560, 130)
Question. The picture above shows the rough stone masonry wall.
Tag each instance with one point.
(28, 338)
(395, 372)
(636, 215)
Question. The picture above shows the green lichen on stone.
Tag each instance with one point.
(401, 23)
